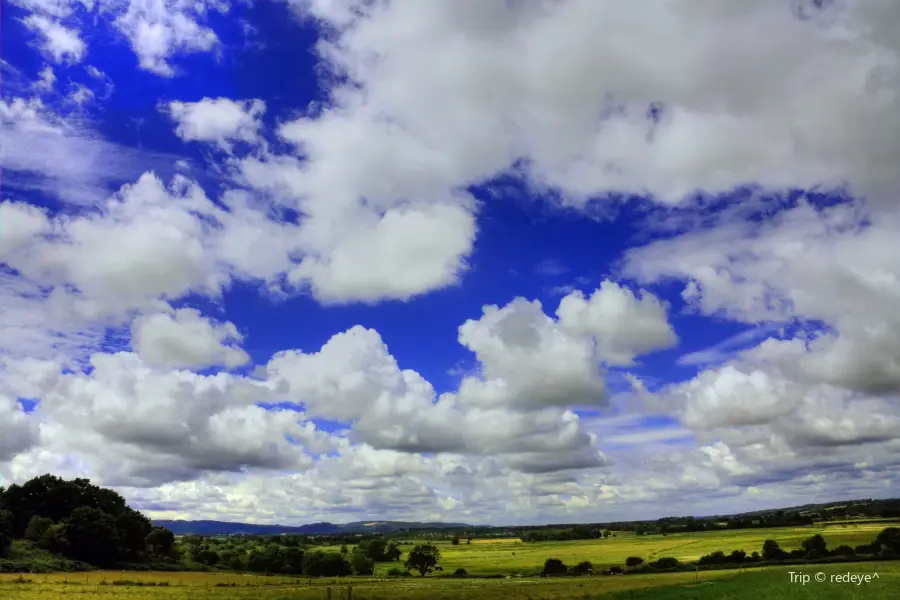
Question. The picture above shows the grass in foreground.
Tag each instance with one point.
(775, 583)
(769, 583)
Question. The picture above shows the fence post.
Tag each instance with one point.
(328, 593)
(350, 592)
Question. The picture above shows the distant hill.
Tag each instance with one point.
(227, 528)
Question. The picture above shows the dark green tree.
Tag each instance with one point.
(888, 540)
(133, 529)
(633, 561)
(666, 562)
(772, 551)
(55, 498)
(6, 532)
(208, 557)
(737, 556)
(54, 539)
(292, 559)
(92, 536)
(815, 546)
(326, 564)
(361, 563)
(393, 553)
(554, 566)
(423, 558)
(583, 568)
(161, 542)
(37, 527)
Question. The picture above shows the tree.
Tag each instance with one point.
(92, 536)
(292, 560)
(54, 539)
(344, 549)
(133, 529)
(423, 558)
(208, 557)
(325, 564)
(606, 533)
(455, 541)
(375, 549)
(554, 566)
(633, 561)
(737, 556)
(666, 562)
(392, 553)
(888, 540)
(583, 568)
(6, 532)
(37, 527)
(772, 551)
(161, 542)
(815, 546)
(335, 565)
(55, 498)
(460, 572)
(361, 564)
(468, 540)
(843, 550)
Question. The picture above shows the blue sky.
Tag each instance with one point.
(480, 261)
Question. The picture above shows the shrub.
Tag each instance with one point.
(460, 572)
(666, 562)
(583, 568)
(554, 566)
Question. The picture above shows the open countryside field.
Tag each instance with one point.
(508, 556)
(770, 583)
(775, 584)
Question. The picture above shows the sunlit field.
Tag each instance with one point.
(516, 559)
(508, 556)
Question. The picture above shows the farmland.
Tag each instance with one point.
(510, 556)
(771, 582)
(503, 556)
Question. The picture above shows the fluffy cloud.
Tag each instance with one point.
(354, 379)
(17, 432)
(158, 30)
(601, 96)
(218, 120)
(61, 43)
(131, 424)
(186, 340)
(814, 265)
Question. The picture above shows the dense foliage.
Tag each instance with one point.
(79, 521)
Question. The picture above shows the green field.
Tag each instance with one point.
(776, 583)
(769, 583)
(496, 556)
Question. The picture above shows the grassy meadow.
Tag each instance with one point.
(509, 556)
(772, 583)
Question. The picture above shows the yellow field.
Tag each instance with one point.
(510, 556)
(203, 585)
